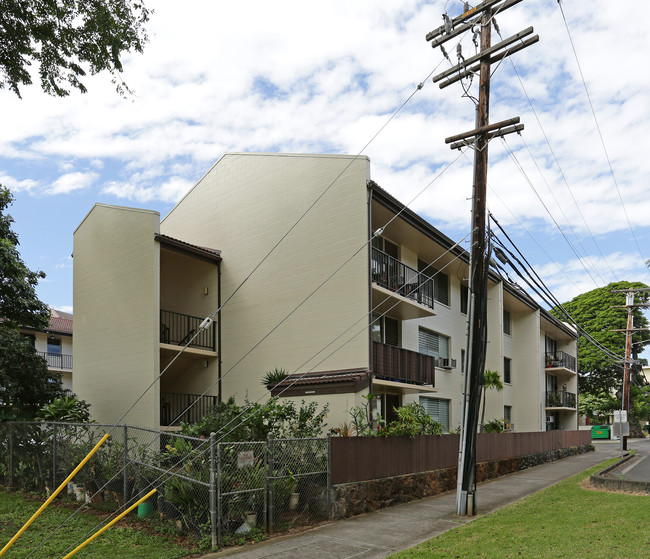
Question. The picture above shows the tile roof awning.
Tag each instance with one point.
(324, 382)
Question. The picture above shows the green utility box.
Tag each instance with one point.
(600, 431)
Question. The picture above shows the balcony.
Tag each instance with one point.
(403, 365)
(178, 329)
(560, 360)
(188, 408)
(560, 399)
(391, 274)
(57, 360)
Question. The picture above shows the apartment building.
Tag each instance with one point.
(316, 270)
(54, 344)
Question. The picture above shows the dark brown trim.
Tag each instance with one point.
(170, 243)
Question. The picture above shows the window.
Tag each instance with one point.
(437, 409)
(464, 298)
(440, 281)
(506, 322)
(433, 344)
(462, 361)
(386, 246)
(507, 414)
(551, 344)
(385, 330)
(506, 370)
(53, 345)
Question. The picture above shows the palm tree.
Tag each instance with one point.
(491, 379)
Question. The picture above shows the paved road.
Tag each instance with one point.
(378, 534)
(638, 468)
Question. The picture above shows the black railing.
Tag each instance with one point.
(189, 408)
(390, 273)
(560, 359)
(396, 363)
(57, 360)
(178, 329)
(560, 399)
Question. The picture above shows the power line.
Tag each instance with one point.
(600, 135)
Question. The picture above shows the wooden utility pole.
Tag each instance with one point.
(625, 391)
(478, 138)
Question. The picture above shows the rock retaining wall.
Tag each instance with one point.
(350, 499)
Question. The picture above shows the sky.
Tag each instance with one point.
(305, 77)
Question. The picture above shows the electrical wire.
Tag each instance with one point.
(600, 135)
(559, 167)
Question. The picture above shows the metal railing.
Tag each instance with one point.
(189, 408)
(560, 359)
(392, 274)
(57, 360)
(396, 363)
(560, 399)
(178, 329)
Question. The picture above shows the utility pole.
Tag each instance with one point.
(478, 138)
(625, 391)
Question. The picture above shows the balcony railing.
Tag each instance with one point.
(392, 274)
(560, 359)
(57, 360)
(396, 363)
(189, 408)
(560, 399)
(178, 329)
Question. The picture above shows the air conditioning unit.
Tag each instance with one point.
(549, 419)
(446, 363)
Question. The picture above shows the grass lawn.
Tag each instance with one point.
(565, 520)
(122, 540)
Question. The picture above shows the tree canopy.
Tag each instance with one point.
(66, 39)
(26, 384)
(596, 313)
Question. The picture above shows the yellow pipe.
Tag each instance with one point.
(51, 497)
(96, 534)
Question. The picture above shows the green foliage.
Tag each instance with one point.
(640, 401)
(495, 426)
(274, 376)
(596, 312)
(66, 40)
(412, 420)
(255, 421)
(598, 406)
(361, 416)
(491, 380)
(26, 384)
(65, 409)
(19, 305)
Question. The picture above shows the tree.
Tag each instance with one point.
(66, 39)
(25, 382)
(491, 379)
(596, 313)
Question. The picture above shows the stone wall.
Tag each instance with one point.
(350, 499)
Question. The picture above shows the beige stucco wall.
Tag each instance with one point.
(243, 206)
(116, 298)
(526, 393)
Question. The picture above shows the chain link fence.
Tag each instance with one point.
(205, 488)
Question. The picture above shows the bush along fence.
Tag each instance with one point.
(221, 490)
(205, 489)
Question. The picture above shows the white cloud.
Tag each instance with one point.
(70, 182)
(17, 185)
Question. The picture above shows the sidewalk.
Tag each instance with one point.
(392, 529)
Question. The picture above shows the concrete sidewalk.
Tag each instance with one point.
(392, 529)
